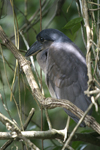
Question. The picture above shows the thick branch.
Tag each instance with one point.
(52, 134)
(89, 121)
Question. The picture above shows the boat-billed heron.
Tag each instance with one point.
(64, 66)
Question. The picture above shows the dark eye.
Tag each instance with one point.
(41, 39)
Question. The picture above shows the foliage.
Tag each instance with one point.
(24, 16)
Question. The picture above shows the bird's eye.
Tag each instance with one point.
(41, 39)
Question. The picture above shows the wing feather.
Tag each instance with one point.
(67, 76)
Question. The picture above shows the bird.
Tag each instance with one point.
(64, 66)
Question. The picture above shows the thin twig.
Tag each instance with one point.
(29, 118)
(6, 144)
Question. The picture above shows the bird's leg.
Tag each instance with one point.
(48, 120)
(50, 126)
(66, 129)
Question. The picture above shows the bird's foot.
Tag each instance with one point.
(66, 129)
(65, 134)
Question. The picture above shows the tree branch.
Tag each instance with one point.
(92, 138)
(89, 33)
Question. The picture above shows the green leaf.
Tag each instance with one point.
(73, 22)
(78, 145)
(75, 28)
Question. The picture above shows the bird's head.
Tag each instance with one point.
(44, 39)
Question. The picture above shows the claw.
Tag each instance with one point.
(66, 129)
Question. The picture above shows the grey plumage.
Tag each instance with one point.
(64, 66)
